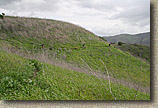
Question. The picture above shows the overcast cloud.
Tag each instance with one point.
(102, 17)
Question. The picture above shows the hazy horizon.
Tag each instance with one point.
(128, 34)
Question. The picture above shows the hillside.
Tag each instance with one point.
(71, 50)
(44, 30)
(140, 51)
(142, 38)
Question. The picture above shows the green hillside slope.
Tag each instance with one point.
(74, 49)
(26, 79)
(136, 50)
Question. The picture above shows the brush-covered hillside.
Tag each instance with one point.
(141, 38)
(140, 51)
(54, 60)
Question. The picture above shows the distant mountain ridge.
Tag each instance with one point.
(141, 38)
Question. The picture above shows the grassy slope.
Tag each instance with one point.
(26, 35)
(18, 82)
(135, 50)
(119, 64)
(41, 30)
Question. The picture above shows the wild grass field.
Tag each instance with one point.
(28, 79)
(74, 64)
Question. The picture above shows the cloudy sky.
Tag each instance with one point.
(102, 17)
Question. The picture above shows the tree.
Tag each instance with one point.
(2, 15)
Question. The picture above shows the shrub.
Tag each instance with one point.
(120, 43)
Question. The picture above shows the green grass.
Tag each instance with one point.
(121, 65)
(54, 83)
(24, 36)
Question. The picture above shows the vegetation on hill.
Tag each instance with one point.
(28, 79)
(142, 38)
(41, 29)
(51, 41)
(136, 50)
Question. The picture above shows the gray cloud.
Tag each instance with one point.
(129, 10)
(138, 13)
(4, 2)
(31, 5)
(103, 17)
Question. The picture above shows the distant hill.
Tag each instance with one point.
(142, 38)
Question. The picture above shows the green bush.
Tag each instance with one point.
(120, 43)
